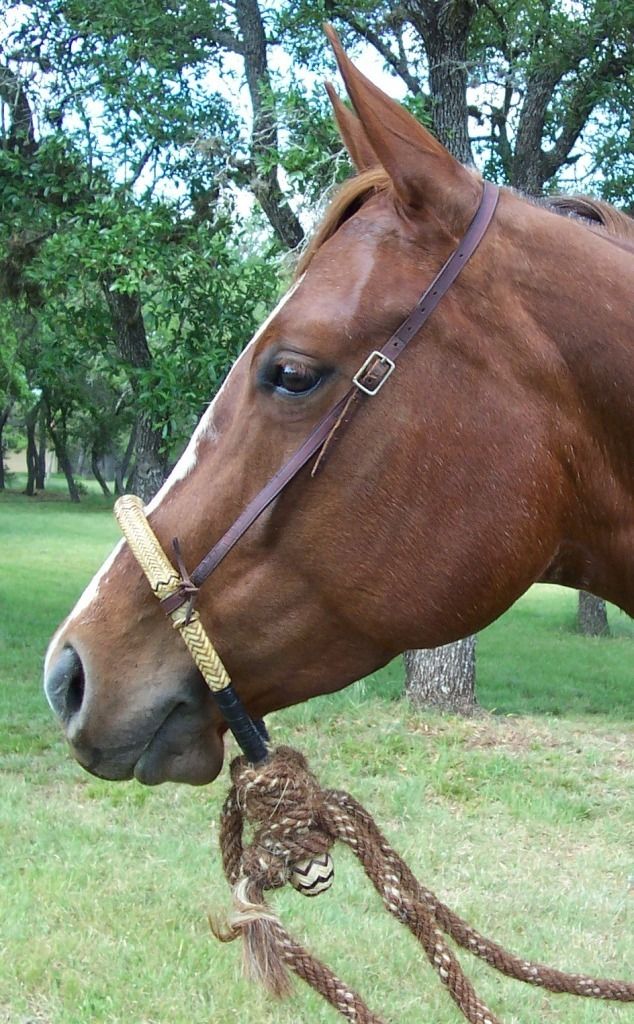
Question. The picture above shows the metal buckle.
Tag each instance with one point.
(385, 361)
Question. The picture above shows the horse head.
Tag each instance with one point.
(446, 495)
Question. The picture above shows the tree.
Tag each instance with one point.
(443, 677)
(531, 90)
(5, 412)
(592, 615)
(13, 385)
(264, 180)
(100, 234)
(57, 421)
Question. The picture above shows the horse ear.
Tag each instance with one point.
(423, 172)
(352, 134)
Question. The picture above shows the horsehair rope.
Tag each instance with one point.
(293, 819)
(294, 823)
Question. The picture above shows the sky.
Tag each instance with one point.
(230, 85)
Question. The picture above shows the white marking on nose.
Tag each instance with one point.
(183, 468)
(84, 601)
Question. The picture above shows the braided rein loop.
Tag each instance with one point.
(292, 824)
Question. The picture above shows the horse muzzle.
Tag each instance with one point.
(175, 740)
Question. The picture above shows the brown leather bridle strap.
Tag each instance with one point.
(368, 380)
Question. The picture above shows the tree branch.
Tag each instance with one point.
(226, 40)
(13, 94)
(395, 61)
(140, 167)
(527, 168)
(581, 104)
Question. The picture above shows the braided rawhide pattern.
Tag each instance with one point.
(292, 818)
(164, 580)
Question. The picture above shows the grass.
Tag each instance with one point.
(521, 820)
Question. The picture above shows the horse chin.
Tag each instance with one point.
(183, 750)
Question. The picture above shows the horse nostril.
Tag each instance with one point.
(65, 683)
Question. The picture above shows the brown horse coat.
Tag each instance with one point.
(500, 452)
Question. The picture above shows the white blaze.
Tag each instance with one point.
(182, 469)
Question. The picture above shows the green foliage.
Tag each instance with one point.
(13, 385)
(117, 196)
(125, 82)
(313, 157)
(579, 55)
(582, 54)
(126, 143)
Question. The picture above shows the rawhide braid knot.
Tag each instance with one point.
(283, 804)
(293, 821)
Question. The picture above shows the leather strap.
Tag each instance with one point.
(368, 380)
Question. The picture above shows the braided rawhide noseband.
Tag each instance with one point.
(292, 819)
(165, 581)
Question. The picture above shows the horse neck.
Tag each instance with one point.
(586, 310)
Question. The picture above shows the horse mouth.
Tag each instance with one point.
(183, 749)
(186, 747)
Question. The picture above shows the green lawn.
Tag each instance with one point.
(522, 820)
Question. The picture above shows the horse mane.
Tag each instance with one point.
(599, 217)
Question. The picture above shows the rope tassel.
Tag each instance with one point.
(293, 820)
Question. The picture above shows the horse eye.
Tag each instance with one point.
(294, 378)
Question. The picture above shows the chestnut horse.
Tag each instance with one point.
(499, 452)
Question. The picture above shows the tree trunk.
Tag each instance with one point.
(529, 169)
(4, 416)
(149, 470)
(66, 468)
(30, 422)
(96, 472)
(40, 462)
(592, 615)
(443, 678)
(59, 438)
(122, 468)
(264, 136)
(444, 28)
(150, 461)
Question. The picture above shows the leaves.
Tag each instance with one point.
(128, 144)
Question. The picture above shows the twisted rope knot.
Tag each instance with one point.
(291, 819)
(283, 803)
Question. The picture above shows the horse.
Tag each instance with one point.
(498, 453)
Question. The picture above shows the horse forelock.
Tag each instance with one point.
(345, 202)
